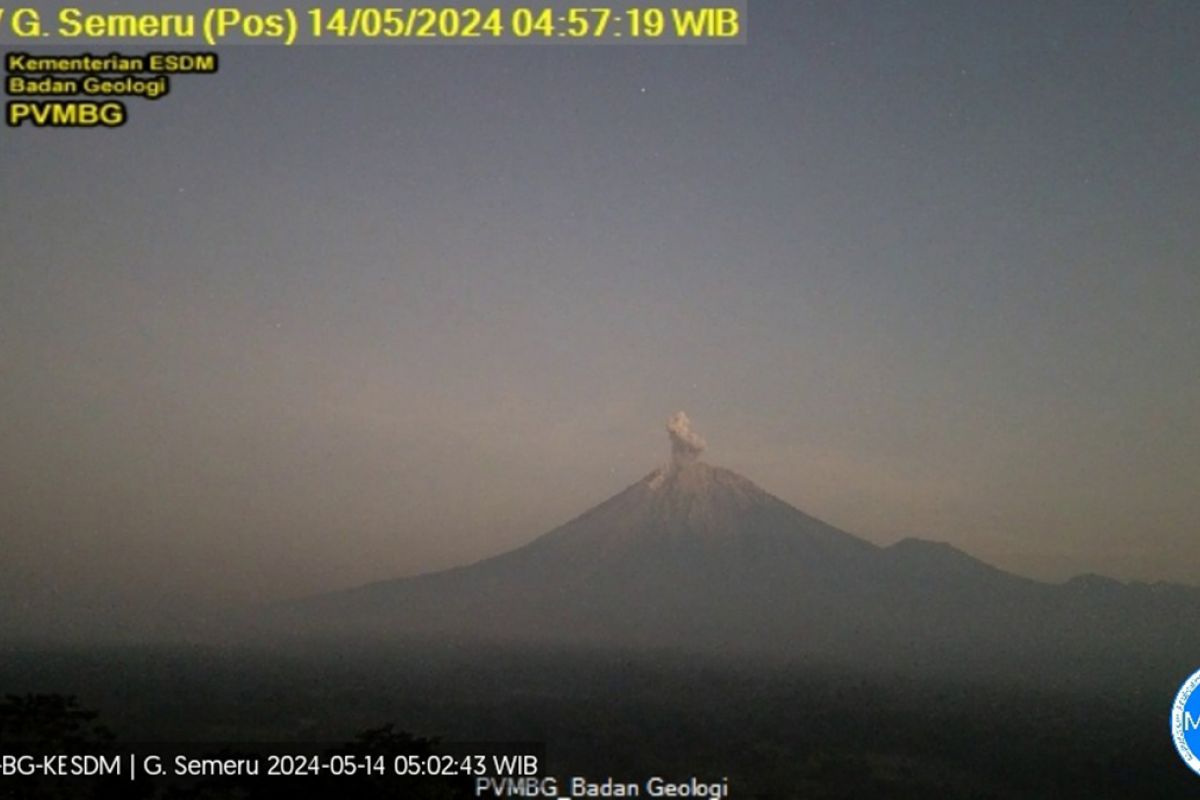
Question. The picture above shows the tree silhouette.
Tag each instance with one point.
(55, 724)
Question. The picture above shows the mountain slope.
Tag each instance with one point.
(697, 557)
(690, 553)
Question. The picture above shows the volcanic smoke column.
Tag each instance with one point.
(686, 444)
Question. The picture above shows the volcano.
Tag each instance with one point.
(697, 557)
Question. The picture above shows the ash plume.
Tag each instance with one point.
(686, 444)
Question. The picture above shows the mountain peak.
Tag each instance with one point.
(696, 477)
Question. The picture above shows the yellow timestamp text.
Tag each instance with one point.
(525, 23)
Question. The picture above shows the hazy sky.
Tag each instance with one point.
(341, 314)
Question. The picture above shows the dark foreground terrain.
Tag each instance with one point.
(811, 731)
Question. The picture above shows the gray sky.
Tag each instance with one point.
(341, 314)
